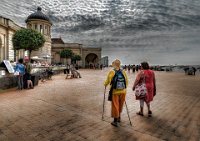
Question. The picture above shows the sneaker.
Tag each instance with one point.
(114, 124)
(140, 113)
(119, 119)
(149, 113)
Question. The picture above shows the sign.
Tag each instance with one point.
(9, 66)
(2, 72)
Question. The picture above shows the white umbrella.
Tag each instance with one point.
(47, 56)
(36, 58)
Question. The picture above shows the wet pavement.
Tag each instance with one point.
(71, 109)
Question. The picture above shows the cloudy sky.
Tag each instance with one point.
(157, 31)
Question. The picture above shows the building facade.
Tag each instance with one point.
(41, 23)
(7, 29)
(104, 61)
(89, 56)
(52, 47)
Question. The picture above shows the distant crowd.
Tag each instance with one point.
(96, 66)
(136, 68)
(189, 70)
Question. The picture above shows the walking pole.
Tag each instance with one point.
(104, 103)
(128, 113)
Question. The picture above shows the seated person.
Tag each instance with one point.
(75, 73)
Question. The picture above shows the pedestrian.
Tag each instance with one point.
(28, 68)
(67, 68)
(125, 67)
(186, 70)
(148, 77)
(129, 68)
(118, 81)
(101, 66)
(137, 68)
(20, 69)
(194, 70)
(133, 68)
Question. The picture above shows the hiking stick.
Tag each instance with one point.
(128, 113)
(104, 103)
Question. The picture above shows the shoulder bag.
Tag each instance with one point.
(140, 89)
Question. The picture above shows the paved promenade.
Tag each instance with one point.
(70, 110)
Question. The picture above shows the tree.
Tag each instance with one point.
(76, 57)
(28, 39)
(66, 53)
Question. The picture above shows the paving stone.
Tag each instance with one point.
(71, 110)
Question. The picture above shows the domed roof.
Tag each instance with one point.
(38, 15)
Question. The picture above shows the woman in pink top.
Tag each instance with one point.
(146, 75)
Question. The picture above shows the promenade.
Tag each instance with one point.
(71, 109)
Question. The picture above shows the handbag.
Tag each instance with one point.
(141, 90)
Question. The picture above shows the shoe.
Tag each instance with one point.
(114, 124)
(119, 119)
(149, 113)
(140, 114)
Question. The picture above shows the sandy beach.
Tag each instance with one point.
(71, 109)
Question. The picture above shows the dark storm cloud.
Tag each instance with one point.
(141, 29)
(87, 22)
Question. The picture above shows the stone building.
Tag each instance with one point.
(7, 29)
(105, 61)
(88, 55)
(41, 22)
(52, 47)
(37, 21)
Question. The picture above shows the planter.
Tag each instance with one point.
(8, 82)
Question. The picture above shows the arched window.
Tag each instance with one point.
(35, 26)
(45, 29)
(41, 29)
(1, 51)
(91, 60)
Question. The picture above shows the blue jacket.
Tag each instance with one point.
(20, 68)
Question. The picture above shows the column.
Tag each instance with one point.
(6, 46)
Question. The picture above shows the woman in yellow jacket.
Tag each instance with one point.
(118, 94)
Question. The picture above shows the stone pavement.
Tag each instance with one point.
(70, 110)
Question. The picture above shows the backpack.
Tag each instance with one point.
(119, 81)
